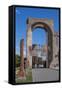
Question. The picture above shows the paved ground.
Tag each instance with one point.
(45, 75)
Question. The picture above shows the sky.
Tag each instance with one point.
(38, 35)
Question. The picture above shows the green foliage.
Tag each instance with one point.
(18, 60)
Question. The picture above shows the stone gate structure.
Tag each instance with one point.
(48, 27)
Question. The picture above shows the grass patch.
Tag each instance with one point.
(28, 76)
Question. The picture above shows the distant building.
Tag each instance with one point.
(39, 56)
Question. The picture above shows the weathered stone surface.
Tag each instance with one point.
(22, 54)
(22, 72)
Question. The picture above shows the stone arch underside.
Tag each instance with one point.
(48, 27)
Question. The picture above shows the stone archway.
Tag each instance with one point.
(48, 27)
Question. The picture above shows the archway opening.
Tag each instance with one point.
(39, 48)
(44, 24)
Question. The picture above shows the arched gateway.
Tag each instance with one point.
(48, 27)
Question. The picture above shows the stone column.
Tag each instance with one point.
(22, 71)
(29, 45)
(22, 54)
(47, 49)
(50, 31)
(52, 43)
(55, 52)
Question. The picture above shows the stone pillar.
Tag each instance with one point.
(53, 45)
(55, 62)
(29, 45)
(22, 54)
(50, 42)
(22, 71)
(47, 49)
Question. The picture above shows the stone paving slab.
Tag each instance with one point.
(45, 75)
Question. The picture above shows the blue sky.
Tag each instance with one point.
(21, 27)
